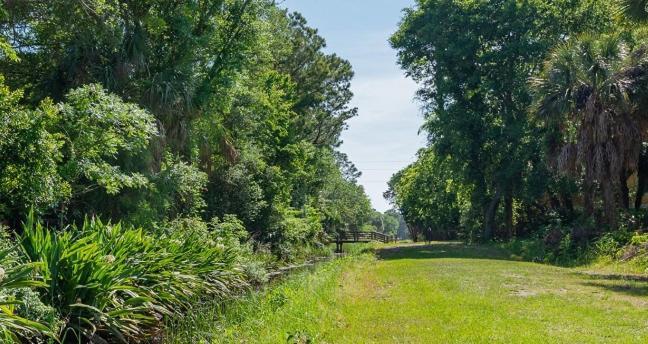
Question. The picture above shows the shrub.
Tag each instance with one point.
(109, 281)
(296, 233)
(253, 258)
(639, 239)
(30, 156)
(637, 251)
(183, 186)
(607, 245)
(18, 318)
(98, 127)
(94, 293)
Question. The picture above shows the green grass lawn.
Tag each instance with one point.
(442, 293)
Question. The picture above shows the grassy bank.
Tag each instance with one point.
(442, 293)
(298, 308)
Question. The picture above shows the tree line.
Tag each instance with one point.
(535, 118)
(151, 111)
(153, 153)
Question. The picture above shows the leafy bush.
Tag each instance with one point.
(296, 233)
(58, 152)
(607, 245)
(177, 189)
(637, 251)
(230, 231)
(253, 258)
(175, 192)
(95, 293)
(580, 242)
(639, 239)
(30, 156)
(98, 127)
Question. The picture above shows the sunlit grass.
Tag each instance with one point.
(442, 293)
(451, 293)
(298, 307)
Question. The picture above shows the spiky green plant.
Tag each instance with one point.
(110, 282)
(15, 275)
(93, 295)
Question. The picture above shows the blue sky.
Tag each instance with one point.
(384, 137)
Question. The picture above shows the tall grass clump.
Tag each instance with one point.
(286, 311)
(110, 282)
(16, 279)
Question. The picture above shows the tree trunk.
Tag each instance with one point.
(555, 202)
(610, 203)
(588, 196)
(508, 216)
(641, 186)
(489, 215)
(413, 230)
(568, 204)
(642, 178)
(624, 192)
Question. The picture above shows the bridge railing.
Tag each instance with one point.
(365, 236)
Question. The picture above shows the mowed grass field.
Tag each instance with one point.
(439, 293)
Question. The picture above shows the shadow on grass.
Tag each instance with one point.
(639, 289)
(615, 277)
(631, 285)
(449, 249)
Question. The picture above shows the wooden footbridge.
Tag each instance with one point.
(360, 237)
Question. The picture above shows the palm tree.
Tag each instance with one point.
(635, 10)
(587, 92)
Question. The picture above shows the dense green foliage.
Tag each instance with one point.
(425, 195)
(474, 75)
(205, 135)
(205, 132)
(110, 280)
(387, 222)
(15, 283)
(238, 111)
(535, 114)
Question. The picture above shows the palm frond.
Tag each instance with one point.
(635, 10)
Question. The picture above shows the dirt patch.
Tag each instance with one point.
(524, 293)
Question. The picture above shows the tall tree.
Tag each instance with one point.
(587, 89)
(473, 73)
(426, 196)
(635, 10)
(176, 59)
(249, 109)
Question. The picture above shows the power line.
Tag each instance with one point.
(384, 161)
(377, 169)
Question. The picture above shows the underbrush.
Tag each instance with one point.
(579, 245)
(108, 283)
